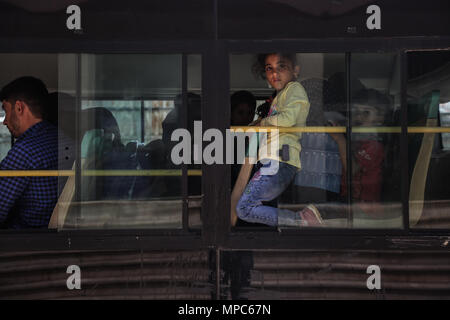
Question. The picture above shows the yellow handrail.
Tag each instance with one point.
(344, 129)
(68, 173)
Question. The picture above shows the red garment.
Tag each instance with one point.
(367, 181)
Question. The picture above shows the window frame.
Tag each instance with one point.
(400, 46)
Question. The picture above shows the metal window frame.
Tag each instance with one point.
(257, 238)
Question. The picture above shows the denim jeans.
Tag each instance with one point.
(265, 187)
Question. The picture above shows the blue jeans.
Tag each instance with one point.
(265, 187)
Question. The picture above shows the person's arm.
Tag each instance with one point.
(256, 122)
(11, 188)
(339, 138)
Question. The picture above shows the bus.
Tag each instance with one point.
(138, 85)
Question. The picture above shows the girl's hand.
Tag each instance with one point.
(256, 122)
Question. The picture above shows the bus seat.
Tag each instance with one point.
(101, 149)
(420, 148)
(62, 206)
(151, 157)
(319, 156)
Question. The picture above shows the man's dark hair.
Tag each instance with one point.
(259, 67)
(31, 90)
(243, 96)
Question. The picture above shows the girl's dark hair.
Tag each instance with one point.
(259, 66)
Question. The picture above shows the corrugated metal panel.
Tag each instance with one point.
(273, 274)
(343, 275)
(105, 275)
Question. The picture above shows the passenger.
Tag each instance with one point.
(289, 109)
(370, 107)
(321, 156)
(173, 121)
(243, 105)
(27, 202)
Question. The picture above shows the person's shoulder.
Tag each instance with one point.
(294, 90)
(43, 142)
(375, 144)
(18, 157)
(49, 127)
(47, 130)
(44, 133)
(295, 85)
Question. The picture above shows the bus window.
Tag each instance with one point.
(311, 147)
(375, 141)
(118, 116)
(428, 98)
(316, 192)
(131, 105)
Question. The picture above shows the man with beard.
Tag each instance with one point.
(28, 201)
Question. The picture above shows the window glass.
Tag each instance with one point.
(304, 95)
(125, 111)
(428, 94)
(375, 140)
(444, 116)
(308, 177)
(130, 107)
(43, 66)
(5, 139)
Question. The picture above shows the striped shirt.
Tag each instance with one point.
(28, 202)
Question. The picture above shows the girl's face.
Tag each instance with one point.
(365, 115)
(280, 71)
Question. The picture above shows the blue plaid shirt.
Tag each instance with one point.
(28, 202)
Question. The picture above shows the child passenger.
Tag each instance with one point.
(369, 109)
(289, 108)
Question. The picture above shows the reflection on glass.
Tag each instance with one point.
(131, 104)
(320, 186)
(375, 184)
(375, 140)
(428, 92)
(5, 140)
(315, 188)
(126, 112)
(444, 116)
